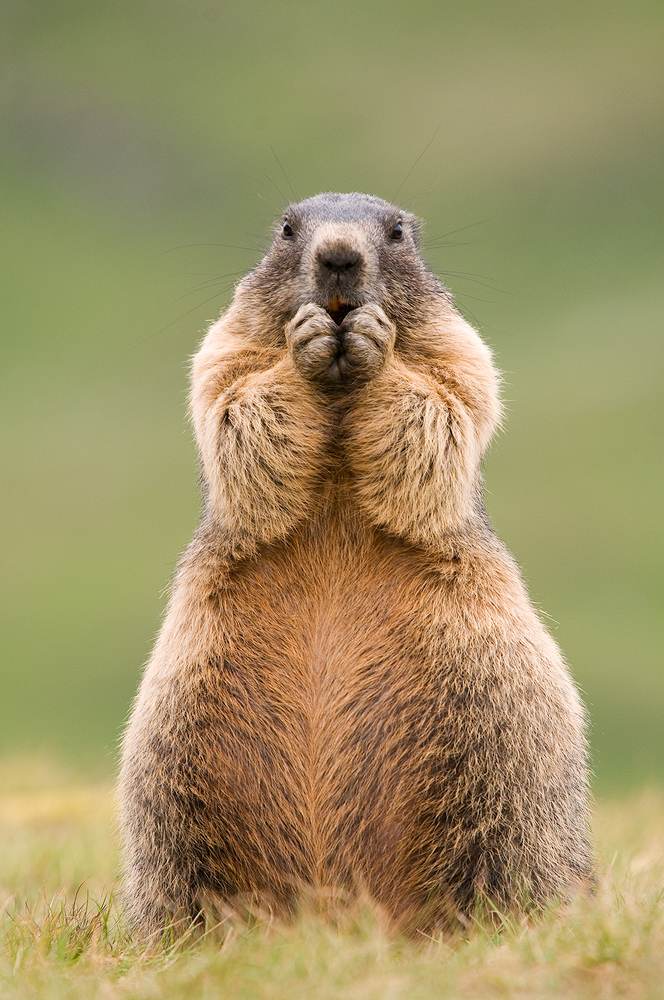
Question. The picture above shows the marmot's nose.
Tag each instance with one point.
(339, 259)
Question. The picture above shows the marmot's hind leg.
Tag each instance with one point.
(512, 809)
(162, 818)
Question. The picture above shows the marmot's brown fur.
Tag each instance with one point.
(351, 688)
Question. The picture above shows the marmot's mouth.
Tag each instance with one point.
(338, 310)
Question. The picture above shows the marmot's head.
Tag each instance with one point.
(342, 251)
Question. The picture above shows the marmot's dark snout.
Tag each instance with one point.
(339, 275)
(339, 259)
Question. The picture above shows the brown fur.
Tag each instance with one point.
(351, 689)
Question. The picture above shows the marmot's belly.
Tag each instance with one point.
(327, 744)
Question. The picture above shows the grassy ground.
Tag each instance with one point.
(61, 935)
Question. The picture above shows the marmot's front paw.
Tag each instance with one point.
(340, 355)
(367, 338)
(312, 337)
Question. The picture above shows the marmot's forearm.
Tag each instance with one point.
(415, 435)
(262, 437)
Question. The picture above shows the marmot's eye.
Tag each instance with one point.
(286, 230)
(397, 232)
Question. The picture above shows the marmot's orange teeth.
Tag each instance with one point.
(338, 309)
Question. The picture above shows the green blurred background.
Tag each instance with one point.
(139, 161)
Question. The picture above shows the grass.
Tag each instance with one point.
(61, 934)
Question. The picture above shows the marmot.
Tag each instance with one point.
(351, 689)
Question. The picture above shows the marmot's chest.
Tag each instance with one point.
(337, 601)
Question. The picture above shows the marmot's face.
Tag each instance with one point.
(342, 251)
